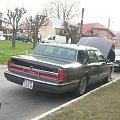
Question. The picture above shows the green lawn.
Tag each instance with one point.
(103, 104)
(6, 49)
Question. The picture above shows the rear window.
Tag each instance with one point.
(56, 51)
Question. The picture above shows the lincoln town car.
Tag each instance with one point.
(59, 68)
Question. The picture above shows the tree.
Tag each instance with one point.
(0, 18)
(63, 10)
(70, 31)
(28, 27)
(34, 24)
(13, 18)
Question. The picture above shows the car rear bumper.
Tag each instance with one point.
(44, 86)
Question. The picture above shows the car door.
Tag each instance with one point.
(93, 66)
(103, 65)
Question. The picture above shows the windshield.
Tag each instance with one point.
(117, 52)
(56, 52)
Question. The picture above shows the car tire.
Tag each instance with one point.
(108, 78)
(80, 90)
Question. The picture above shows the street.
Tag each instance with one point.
(18, 103)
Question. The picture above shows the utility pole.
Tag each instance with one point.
(108, 28)
(81, 24)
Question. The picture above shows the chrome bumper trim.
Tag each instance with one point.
(44, 82)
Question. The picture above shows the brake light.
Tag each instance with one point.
(24, 70)
(8, 64)
(48, 75)
(17, 68)
(61, 74)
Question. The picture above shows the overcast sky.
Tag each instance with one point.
(96, 11)
(101, 10)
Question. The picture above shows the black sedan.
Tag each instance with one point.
(59, 68)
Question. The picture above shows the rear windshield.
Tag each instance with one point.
(56, 52)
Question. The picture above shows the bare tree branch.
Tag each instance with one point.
(63, 10)
(13, 18)
(35, 24)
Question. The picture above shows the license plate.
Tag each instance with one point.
(28, 84)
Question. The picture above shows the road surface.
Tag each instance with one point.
(18, 103)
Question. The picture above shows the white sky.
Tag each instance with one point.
(96, 11)
(101, 10)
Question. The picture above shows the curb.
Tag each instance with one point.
(3, 66)
(70, 102)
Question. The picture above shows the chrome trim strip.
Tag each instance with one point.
(55, 84)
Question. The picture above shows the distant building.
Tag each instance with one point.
(1, 29)
(117, 42)
(51, 26)
(5, 28)
(98, 30)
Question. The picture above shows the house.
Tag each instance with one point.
(51, 26)
(96, 29)
(5, 28)
(1, 28)
(117, 42)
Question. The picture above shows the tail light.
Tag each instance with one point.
(61, 74)
(48, 75)
(8, 64)
(17, 68)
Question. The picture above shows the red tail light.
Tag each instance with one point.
(8, 64)
(17, 68)
(61, 75)
(48, 75)
(24, 70)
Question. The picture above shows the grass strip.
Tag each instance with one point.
(103, 104)
(6, 49)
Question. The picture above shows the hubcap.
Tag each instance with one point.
(82, 86)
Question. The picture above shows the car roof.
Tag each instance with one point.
(73, 46)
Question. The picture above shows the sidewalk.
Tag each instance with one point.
(3, 66)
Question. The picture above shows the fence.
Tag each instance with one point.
(26, 52)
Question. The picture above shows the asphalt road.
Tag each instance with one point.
(18, 103)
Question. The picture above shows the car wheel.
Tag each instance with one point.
(80, 90)
(108, 78)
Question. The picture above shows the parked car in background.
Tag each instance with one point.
(8, 36)
(117, 59)
(59, 68)
(2, 37)
(23, 38)
(19, 37)
(55, 39)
